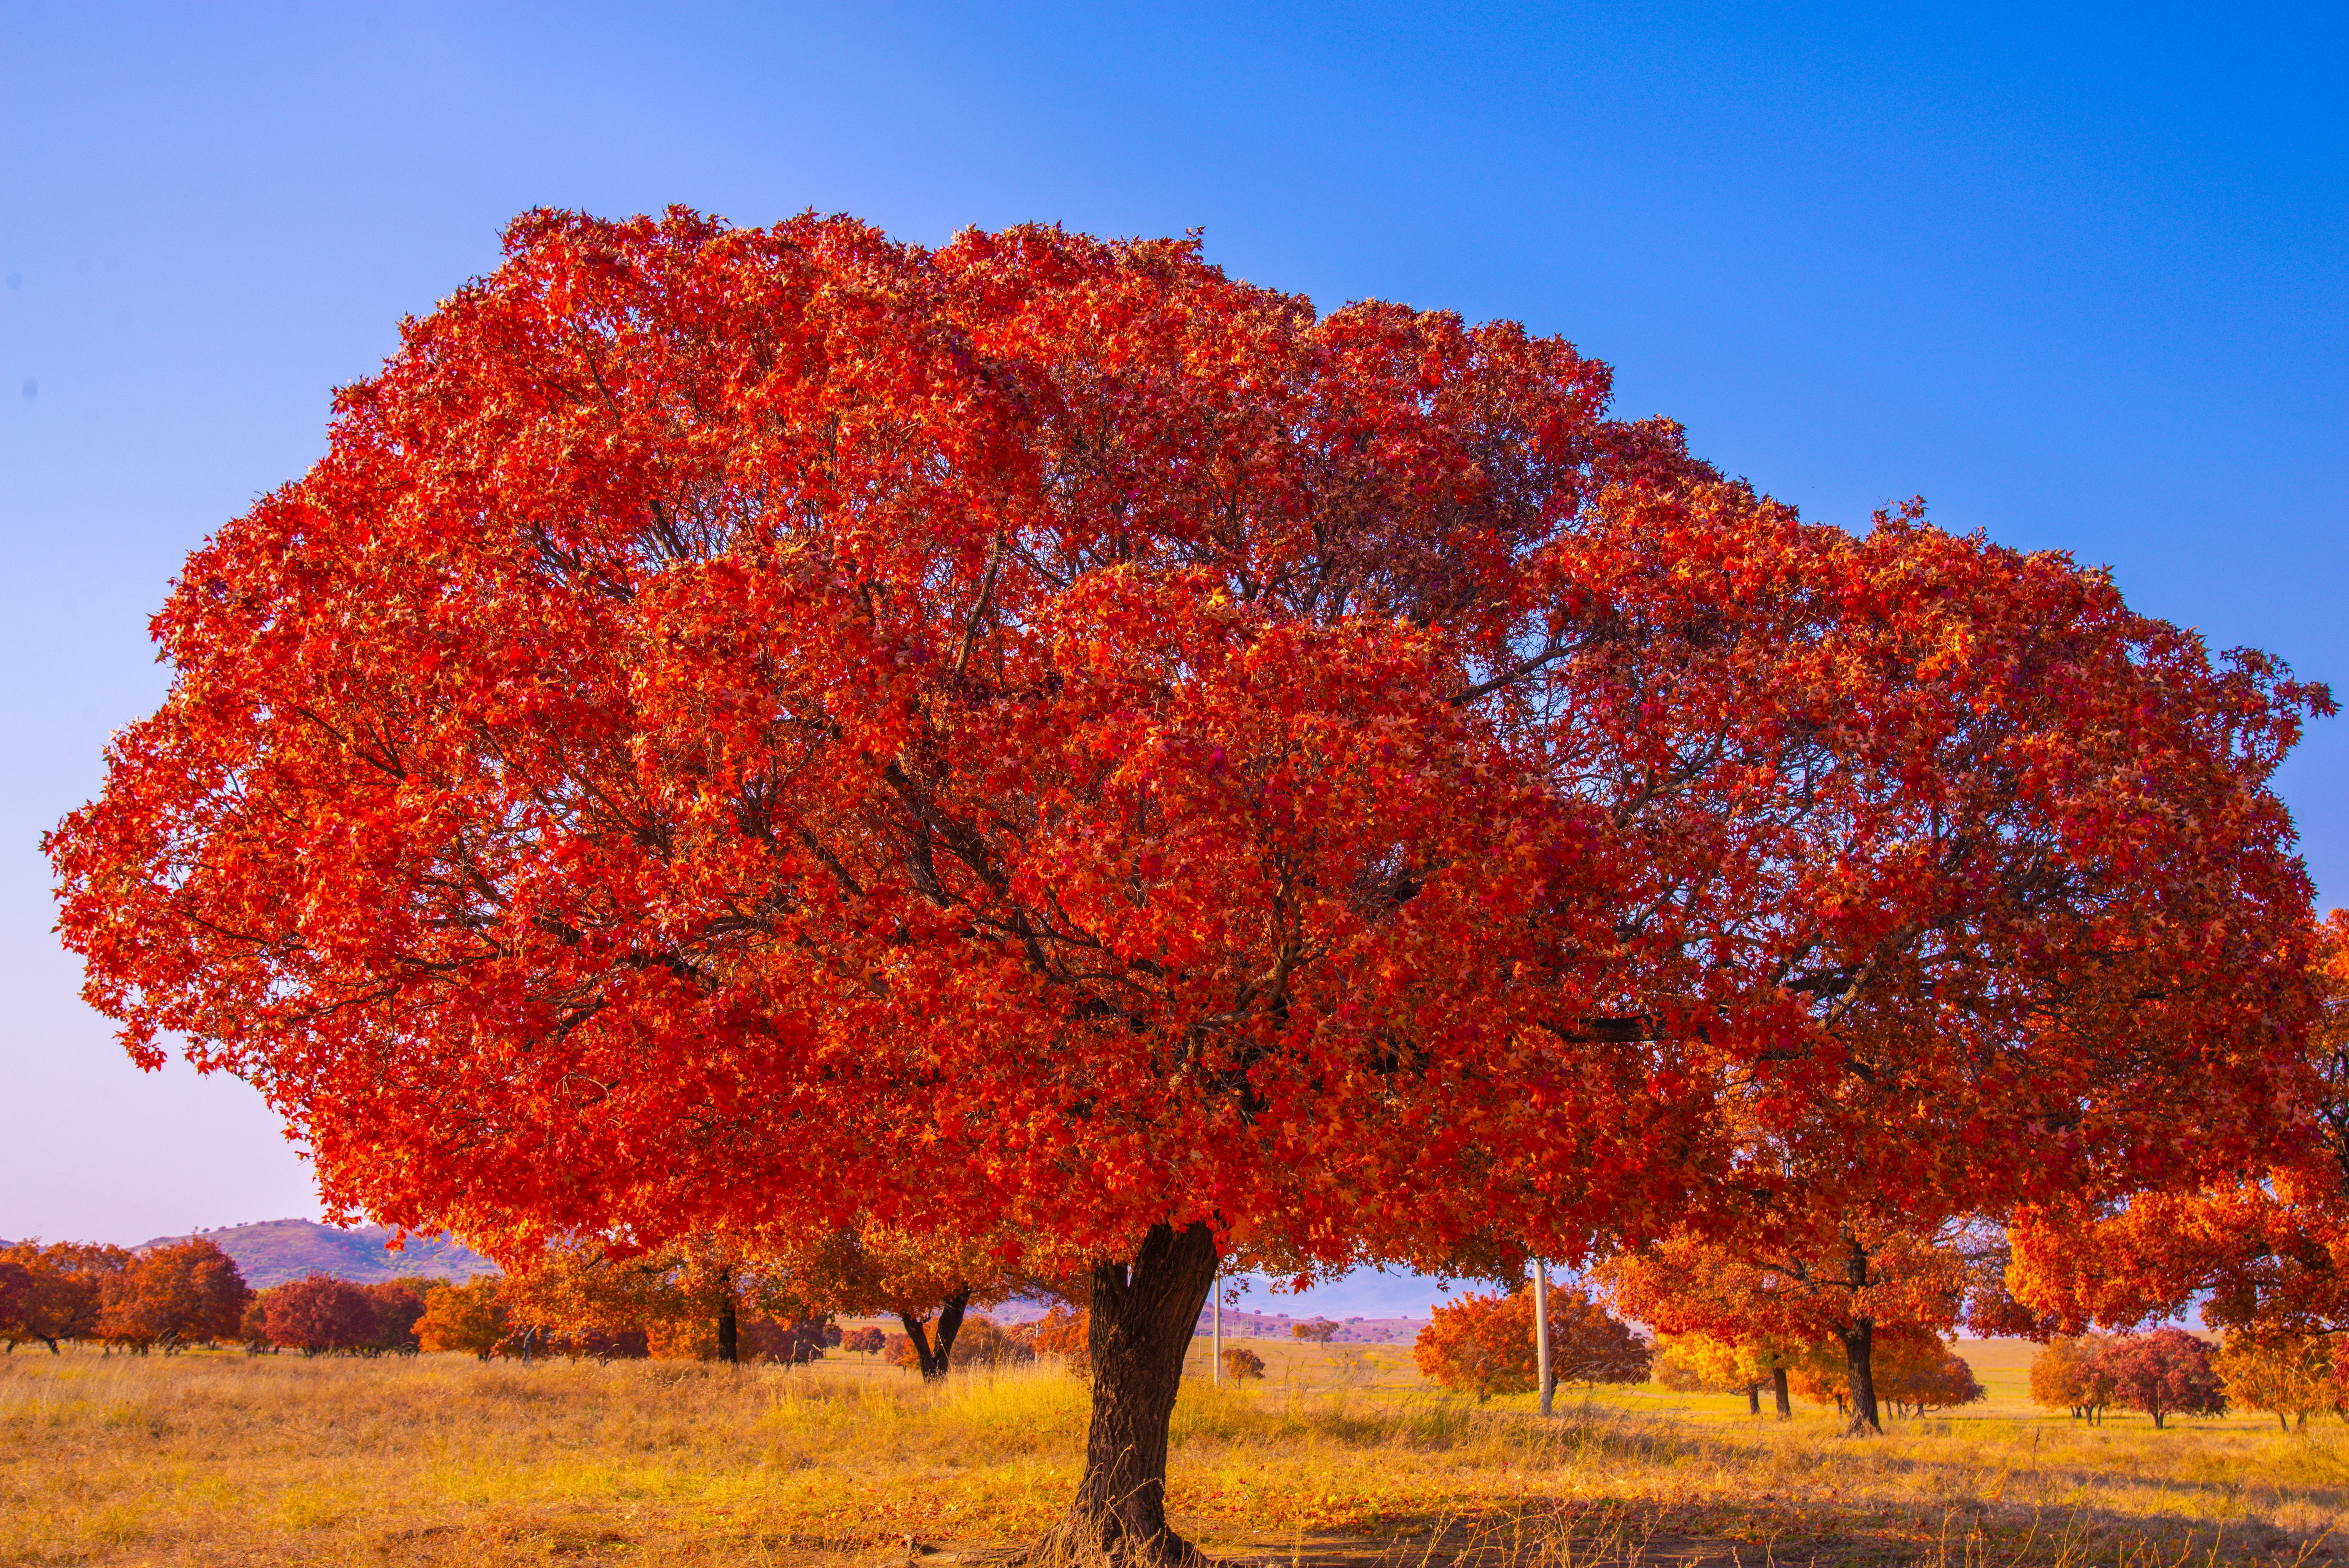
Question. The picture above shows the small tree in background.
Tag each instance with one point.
(2165, 1372)
(1864, 1290)
(979, 1342)
(188, 1293)
(398, 1306)
(1241, 1363)
(1929, 1375)
(1915, 1370)
(1063, 1331)
(2285, 1375)
(793, 1342)
(1702, 1363)
(1316, 1331)
(15, 1286)
(984, 1342)
(63, 1292)
(1471, 1344)
(2065, 1375)
(690, 1300)
(1485, 1343)
(319, 1314)
(469, 1317)
(1589, 1345)
(930, 1284)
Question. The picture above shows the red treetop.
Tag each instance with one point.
(2167, 1372)
(742, 721)
(743, 716)
(320, 1312)
(188, 1292)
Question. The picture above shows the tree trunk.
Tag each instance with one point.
(2156, 1417)
(1144, 1315)
(950, 1325)
(729, 1330)
(1754, 1398)
(2282, 1423)
(1778, 1392)
(937, 1358)
(1858, 1348)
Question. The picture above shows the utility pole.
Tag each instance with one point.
(1215, 1344)
(1541, 1331)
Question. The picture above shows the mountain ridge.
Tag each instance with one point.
(273, 1251)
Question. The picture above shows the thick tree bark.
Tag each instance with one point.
(1860, 1345)
(1859, 1348)
(729, 1331)
(935, 1357)
(1778, 1392)
(1144, 1315)
(951, 1316)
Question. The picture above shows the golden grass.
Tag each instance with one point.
(1340, 1454)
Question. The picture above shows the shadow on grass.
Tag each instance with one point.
(1786, 1497)
(1628, 1535)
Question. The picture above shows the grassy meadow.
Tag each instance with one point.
(1341, 1455)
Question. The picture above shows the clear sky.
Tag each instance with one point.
(2075, 275)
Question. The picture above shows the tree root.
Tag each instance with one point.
(1091, 1541)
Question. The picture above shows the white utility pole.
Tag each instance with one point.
(1216, 1343)
(1541, 1331)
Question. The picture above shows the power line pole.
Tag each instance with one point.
(1216, 1343)
(1541, 1331)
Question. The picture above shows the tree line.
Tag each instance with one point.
(188, 1294)
(703, 1302)
(167, 1298)
(2170, 1372)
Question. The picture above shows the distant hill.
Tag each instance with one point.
(1241, 1324)
(275, 1251)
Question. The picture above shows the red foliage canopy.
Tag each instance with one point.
(320, 1314)
(744, 717)
(61, 1290)
(732, 699)
(2265, 1244)
(1484, 1345)
(2165, 1372)
(186, 1292)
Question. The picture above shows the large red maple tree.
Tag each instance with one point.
(1059, 744)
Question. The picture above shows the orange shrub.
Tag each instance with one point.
(1484, 1344)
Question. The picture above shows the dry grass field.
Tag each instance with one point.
(1340, 1456)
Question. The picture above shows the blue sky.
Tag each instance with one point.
(2075, 275)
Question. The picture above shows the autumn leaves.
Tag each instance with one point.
(771, 730)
